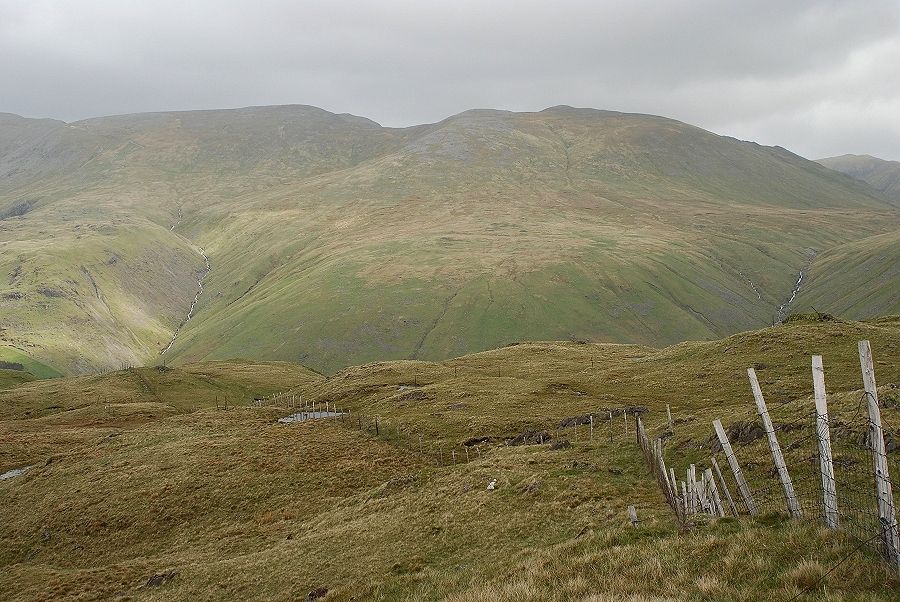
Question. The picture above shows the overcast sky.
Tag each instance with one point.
(820, 78)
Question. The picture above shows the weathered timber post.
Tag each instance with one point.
(777, 457)
(632, 516)
(886, 512)
(829, 491)
(711, 486)
(692, 489)
(743, 488)
(674, 481)
(725, 489)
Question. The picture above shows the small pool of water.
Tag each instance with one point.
(15, 472)
(302, 416)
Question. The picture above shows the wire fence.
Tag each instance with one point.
(768, 460)
(793, 458)
(610, 425)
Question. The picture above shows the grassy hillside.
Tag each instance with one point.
(333, 241)
(241, 507)
(880, 174)
(14, 378)
(856, 275)
(18, 361)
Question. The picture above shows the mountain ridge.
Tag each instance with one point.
(336, 241)
(881, 174)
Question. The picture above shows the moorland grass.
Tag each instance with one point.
(243, 507)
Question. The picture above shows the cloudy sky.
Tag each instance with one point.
(820, 78)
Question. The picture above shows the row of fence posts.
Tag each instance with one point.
(707, 492)
(325, 409)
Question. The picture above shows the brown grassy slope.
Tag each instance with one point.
(540, 382)
(244, 508)
(127, 398)
(14, 378)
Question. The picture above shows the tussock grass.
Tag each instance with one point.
(245, 508)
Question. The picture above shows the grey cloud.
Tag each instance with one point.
(816, 77)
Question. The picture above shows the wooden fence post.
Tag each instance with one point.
(632, 516)
(669, 414)
(703, 493)
(886, 512)
(714, 491)
(725, 490)
(743, 488)
(692, 489)
(829, 492)
(783, 474)
(663, 477)
(674, 481)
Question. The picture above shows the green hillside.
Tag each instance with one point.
(126, 485)
(880, 174)
(334, 241)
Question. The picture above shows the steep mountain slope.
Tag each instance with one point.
(880, 174)
(333, 240)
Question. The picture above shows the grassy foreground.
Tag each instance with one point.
(241, 507)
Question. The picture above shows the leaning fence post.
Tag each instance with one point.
(714, 490)
(829, 493)
(886, 513)
(783, 474)
(725, 490)
(674, 481)
(735, 467)
(669, 414)
(632, 516)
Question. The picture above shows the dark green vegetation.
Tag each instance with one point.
(880, 174)
(334, 241)
(138, 483)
